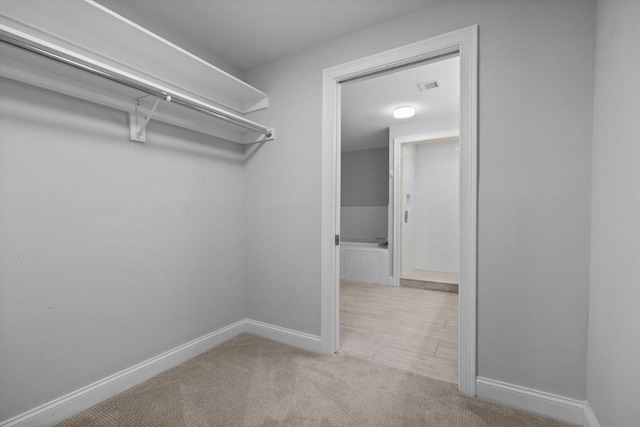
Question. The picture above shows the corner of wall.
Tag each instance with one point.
(590, 419)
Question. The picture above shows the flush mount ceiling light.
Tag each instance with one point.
(404, 112)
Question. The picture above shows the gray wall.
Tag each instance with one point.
(112, 251)
(613, 378)
(536, 76)
(365, 177)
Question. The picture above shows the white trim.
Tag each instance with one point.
(63, 407)
(590, 419)
(464, 41)
(329, 262)
(396, 204)
(540, 402)
(467, 287)
(287, 336)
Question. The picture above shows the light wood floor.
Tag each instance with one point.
(410, 329)
(433, 276)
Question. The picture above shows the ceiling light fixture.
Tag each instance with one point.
(404, 112)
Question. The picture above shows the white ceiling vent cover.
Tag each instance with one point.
(429, 85)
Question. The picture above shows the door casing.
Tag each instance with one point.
(465, 42)
(396, 194)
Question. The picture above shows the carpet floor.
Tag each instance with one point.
(251, 381)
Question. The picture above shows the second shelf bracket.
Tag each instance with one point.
(138, 123)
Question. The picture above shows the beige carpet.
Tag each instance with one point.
(250, 381)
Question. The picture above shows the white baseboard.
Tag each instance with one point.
(590, 419)
(63, 407)
(540, 402)
(287, 336)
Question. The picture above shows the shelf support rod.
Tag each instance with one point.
(138, 133)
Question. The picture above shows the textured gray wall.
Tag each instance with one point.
(365, 177)
(112, 251)
(535, 112)
(613, 377)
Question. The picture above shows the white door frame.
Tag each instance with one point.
(396, 204)
(464, 41)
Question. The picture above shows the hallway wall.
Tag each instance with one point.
(535, 112)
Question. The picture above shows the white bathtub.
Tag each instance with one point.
(364, 262)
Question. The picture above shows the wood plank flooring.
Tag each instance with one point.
(410, 329)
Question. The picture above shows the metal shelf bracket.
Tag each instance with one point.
(138, 122)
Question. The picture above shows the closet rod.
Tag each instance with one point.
(149, 88)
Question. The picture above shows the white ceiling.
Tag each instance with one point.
(367, 105)
(247, 33)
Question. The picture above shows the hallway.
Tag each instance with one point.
(410, 329)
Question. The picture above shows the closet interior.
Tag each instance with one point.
(87, 51)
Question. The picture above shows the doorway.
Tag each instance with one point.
(413, 326)
(427, 202)
(465, 43)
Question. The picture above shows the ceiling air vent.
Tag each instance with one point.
(429, 85)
